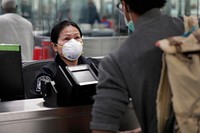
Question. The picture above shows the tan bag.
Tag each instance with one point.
(180, 82)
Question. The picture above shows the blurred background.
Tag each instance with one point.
(96, 18)
(44, 13)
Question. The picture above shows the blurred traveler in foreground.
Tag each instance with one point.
(133, 70)
(14, 29)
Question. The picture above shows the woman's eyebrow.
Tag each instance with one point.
(69, 34)
(72, 33)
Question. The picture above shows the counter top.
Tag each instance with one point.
(33, 108)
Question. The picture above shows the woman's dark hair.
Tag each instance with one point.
(59, 27)
(142, 6)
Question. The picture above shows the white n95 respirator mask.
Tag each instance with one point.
(72, 49)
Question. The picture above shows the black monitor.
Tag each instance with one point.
(82, 75)
(73, 85)
(11, 81)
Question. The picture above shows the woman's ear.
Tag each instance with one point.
(55, 47)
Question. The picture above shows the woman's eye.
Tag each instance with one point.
(67, 39)
(77, 37)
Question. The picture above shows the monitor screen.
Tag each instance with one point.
(11, 73)
(82, 74)
(82, 79)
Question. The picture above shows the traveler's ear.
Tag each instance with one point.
(125, 6)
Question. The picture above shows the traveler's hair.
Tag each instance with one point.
(142, 6)
(55, 32)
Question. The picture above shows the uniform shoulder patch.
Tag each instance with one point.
(43, 78)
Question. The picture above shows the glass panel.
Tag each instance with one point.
(101, 19)
(182, 7)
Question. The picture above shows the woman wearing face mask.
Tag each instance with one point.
(66, 38)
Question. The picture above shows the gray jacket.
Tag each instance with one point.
(133, 71)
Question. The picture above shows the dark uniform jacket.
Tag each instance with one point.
(48, 72)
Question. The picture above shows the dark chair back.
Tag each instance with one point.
(30, 70)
